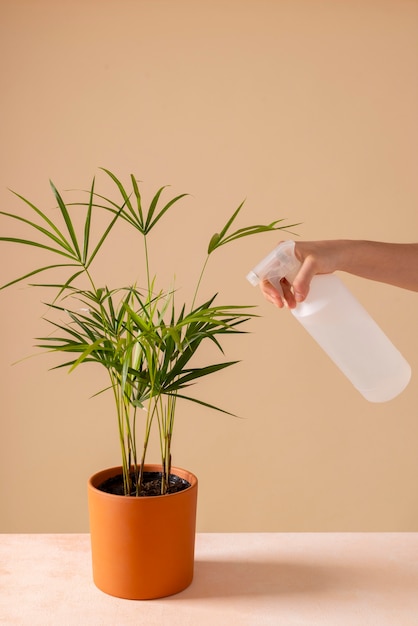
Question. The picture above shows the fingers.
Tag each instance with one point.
(288, 294)
(271, 294)
(302, 281)
(284, 299)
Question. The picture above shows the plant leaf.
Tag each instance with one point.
(87, 224)
(67, 219)
(34, 272)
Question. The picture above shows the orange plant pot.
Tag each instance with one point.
(142, 548)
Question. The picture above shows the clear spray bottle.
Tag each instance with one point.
(341, 326)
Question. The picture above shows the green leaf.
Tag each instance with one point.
(67, 219)
(213, 243)
(44, 217)
(86, 353)
(138, 201)
(59, 240)
(205, 404)
(152, 207)
(231, 220)
(169, 204)
(124, 194)
(103, 238)
(34, 272)
(194, 374)
(87, 224)
(220, 239)
(36, 244)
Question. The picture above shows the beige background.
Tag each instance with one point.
(308, 109)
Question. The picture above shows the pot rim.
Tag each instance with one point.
(109, 472)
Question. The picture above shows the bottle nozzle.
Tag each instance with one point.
(253, 278)
(280, 263)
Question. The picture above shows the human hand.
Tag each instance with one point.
(316, 257)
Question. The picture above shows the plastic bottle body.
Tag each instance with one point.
(353, 340)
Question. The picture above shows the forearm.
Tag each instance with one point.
(392, 263)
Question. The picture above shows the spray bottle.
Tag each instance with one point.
(341, 326)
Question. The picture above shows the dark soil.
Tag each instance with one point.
(151, 484)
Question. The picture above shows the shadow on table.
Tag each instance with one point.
(229, 579)
(217, 579)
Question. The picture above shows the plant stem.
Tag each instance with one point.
(148, 424)
(199, 281)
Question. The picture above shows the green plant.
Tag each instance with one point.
(137, 333)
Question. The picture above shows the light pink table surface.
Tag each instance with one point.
(251, 579)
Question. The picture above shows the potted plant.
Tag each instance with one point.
(142, 516)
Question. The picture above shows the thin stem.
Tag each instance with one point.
(199, 281)
(148, 424)
(126, 436)
(121, 423)
(147, 265)
(166, 424)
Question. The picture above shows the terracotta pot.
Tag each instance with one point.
(142, 548)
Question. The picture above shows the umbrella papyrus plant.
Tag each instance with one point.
(139, 333)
